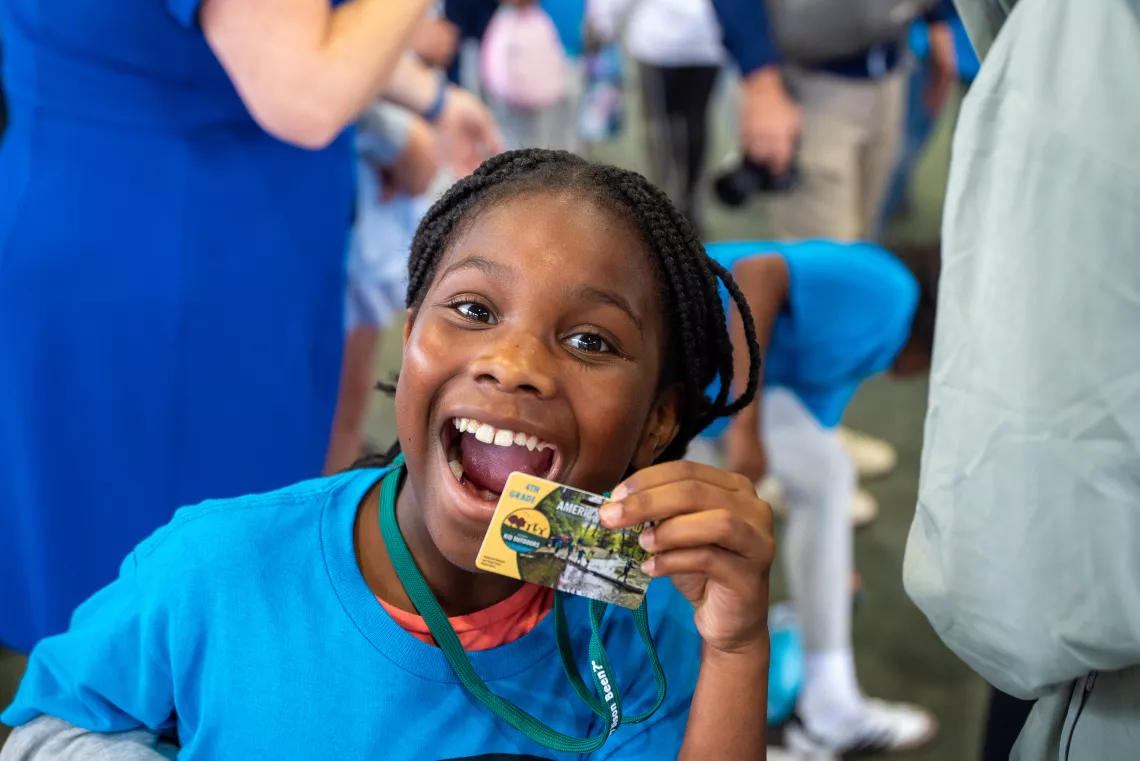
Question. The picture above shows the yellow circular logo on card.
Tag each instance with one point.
(525, 530)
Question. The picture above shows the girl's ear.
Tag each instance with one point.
(409, 319)
(660, 429)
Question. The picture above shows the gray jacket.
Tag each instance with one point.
(1025, 550)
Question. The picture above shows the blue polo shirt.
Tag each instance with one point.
(849, 312)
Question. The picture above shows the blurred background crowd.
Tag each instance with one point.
(188, 298)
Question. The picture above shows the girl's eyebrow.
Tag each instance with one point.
(493, 270)
(588, 294)
(593, 294)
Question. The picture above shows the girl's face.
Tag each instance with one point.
(537, 348)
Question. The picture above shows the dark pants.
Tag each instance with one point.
(676, 100)
(472, 17)
(1006, 718)
(11, 669)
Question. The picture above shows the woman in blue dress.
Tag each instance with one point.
(175, 191)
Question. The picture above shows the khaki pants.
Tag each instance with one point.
(851, 138)
(11, 669)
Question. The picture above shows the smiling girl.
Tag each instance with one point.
(564, 321)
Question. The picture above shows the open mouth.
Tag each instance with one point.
(481, 457)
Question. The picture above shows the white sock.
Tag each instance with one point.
(830, 698)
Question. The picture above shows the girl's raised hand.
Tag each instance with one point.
(713, 539)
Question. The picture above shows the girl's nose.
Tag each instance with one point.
(518, 361)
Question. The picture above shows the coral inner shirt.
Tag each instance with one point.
(497, 625)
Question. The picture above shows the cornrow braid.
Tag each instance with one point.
(700, 350)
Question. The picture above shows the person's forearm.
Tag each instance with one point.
(942, 51)
(363, 53)
(749, 417)
(729, 714)
(306, 71)
(763, 281)
(413, 85)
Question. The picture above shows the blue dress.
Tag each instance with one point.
(171, 295)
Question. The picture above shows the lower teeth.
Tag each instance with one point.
(456, 469)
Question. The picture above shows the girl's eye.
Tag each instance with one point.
(474, 311)
(590, 343)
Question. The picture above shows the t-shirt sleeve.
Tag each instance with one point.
(747, 33)
(186, 11)
(107, 672)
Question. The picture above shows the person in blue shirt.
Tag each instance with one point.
(175, 194)
(828, 316)
(563, 321)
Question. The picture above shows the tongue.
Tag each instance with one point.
(487, 466)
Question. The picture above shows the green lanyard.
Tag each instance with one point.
(607, 706)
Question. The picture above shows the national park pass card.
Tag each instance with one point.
(550, 534)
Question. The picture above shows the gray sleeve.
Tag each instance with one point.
(382, 132)
(1025, 548)
(49, 739)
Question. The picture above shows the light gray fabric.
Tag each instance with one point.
(1025, 549)
(983, 19)
(50, 739)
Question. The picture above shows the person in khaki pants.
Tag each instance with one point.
(851, 134)
(850, 140)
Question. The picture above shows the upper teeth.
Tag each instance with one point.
(500, 437)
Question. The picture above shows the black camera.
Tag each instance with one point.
(740, 183)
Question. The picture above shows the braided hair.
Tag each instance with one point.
(700, 348)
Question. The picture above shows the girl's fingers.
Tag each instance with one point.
(669, 500)
(721, 528)
(661, 502)
(719, 566)
(677, 471)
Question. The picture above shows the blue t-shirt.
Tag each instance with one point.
(247, 624)
(849, 313)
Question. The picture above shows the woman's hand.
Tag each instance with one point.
(436, 42)
(713, 539)
(468, 131)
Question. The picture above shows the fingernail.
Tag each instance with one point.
(619, 493)
(611, 513)
(647, 566)
(647, 540)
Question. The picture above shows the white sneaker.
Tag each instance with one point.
(873, 458)
(783, 754)
(864, 508)
(882, 728)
